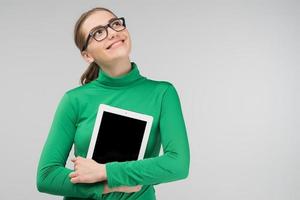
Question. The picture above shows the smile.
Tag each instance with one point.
(116, 44)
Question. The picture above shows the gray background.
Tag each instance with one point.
(235, 65)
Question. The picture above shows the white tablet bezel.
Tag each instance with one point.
(127, 113)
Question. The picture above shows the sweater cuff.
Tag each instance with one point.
(111, 173)
(99, 190)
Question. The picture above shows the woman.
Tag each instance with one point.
(113, 79)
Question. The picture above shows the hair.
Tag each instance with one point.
(91, 73)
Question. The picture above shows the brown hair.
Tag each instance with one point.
(92, 71)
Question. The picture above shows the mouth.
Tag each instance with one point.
(115, 44)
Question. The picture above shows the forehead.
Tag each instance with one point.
(95, 19)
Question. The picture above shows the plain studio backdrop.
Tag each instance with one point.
(235, 65)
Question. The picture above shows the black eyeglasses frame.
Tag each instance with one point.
(91, 33)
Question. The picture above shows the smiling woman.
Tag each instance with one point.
(112, 79)
(98, 33)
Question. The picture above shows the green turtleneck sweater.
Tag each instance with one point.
(73, 122)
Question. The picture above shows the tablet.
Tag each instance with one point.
(119, 135)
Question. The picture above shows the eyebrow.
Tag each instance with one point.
(109, 21)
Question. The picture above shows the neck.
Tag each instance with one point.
(118, 82)
(117, 68)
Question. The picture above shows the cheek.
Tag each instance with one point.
(128, 44)
(98, 50)
(128, 37)
(129, 41)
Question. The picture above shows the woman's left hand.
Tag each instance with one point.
(87, 171)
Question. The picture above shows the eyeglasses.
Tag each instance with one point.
(100, 32)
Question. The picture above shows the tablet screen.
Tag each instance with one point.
(119, 138)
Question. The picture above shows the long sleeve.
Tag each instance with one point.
(52, 175)
(172, 165)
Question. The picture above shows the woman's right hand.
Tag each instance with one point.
(126, 189)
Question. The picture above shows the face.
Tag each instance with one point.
(102, 52)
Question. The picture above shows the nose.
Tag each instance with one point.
(111, 33)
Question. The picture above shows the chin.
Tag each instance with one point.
(118, 57)
(117, 53)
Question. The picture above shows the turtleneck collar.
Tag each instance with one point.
(119, 81)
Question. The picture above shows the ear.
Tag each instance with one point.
(87, 57)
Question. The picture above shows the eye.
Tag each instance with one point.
(100, 31)
(117, 23)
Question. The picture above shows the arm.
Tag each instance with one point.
(126, 189)
(52, 176)
(172, 165)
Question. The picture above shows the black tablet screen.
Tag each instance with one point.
(119, 138)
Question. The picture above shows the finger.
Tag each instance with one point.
(73, 174)
(138, 187)
(73, 159)
(75, 180)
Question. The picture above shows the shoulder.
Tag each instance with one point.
(162, 85)
(77, 90)
(166, 89)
